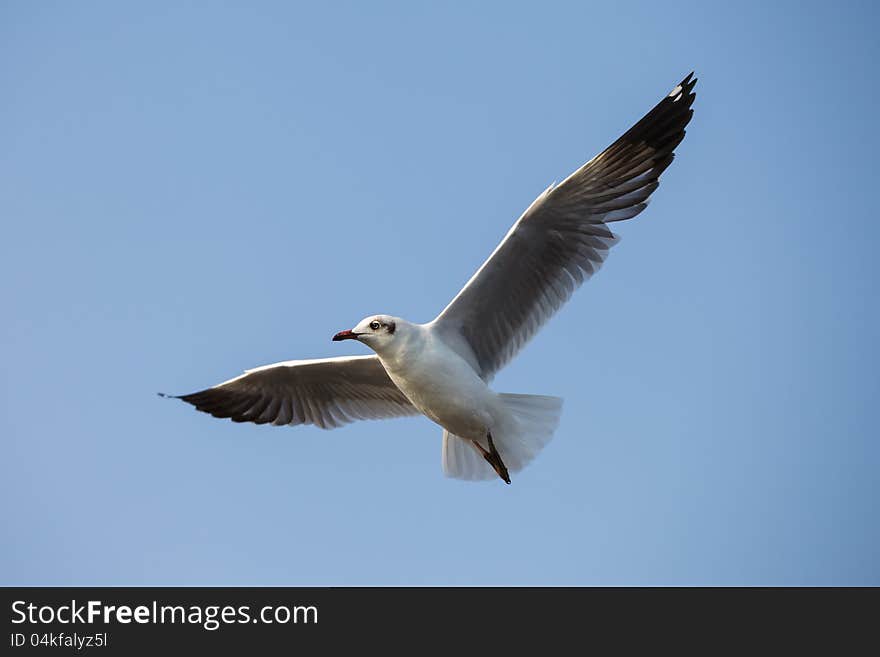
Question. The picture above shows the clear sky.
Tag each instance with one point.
(191, 189)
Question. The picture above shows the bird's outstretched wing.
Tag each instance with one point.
(562, 239)
(327, 392)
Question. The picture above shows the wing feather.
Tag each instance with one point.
(562, 239)
(327, 392)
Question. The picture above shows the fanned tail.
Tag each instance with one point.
(532, 421)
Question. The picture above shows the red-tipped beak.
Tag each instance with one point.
(344, 335)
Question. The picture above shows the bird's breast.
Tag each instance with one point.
(446, 389)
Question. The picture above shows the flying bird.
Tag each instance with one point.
(442, 369)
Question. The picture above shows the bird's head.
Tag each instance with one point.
(378, 332)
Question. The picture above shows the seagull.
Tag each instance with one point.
(442, 369)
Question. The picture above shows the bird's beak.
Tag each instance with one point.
(345, 335)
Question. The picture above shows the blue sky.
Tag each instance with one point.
(190, 189)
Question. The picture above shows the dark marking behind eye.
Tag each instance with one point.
(391, 327)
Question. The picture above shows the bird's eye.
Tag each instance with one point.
(374, 325)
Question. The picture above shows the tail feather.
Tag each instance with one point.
(461, 460)
(532, 421)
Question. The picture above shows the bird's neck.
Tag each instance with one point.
(405, 350)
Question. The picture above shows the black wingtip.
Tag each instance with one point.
(685, 87)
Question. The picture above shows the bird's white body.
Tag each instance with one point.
(435, 371)
(440, 383)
